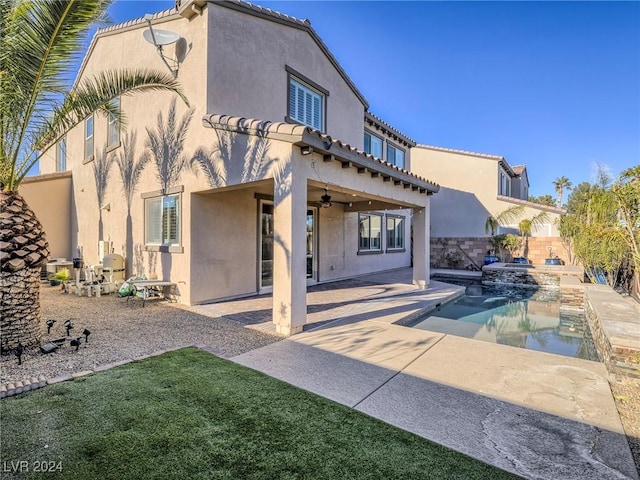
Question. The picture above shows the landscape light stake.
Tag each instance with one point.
(19, 352)
(86, 334)
(76, 343)
(68, 325)
(49, 325)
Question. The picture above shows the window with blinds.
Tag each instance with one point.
(306, 105)
(162, 220)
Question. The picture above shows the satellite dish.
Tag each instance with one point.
(160, 38)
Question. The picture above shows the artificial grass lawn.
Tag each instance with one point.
(190, 415)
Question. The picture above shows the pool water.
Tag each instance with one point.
(518, 317)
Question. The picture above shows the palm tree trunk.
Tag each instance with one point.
(23, 251)
(20, 300)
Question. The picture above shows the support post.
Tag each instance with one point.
(289, 256)
(421, 239)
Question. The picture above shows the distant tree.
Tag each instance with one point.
(561, 184)
(543, 200)
(602, 226)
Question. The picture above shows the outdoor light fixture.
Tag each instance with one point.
(326, 199)
(68, 325)
(49, 325)
(76, 343)
(19, 352)
(306, 150)
(86, 334)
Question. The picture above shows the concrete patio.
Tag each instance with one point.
(539, 415)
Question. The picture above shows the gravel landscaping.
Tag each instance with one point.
(122, 330)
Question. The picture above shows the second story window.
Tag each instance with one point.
(61, 155)
(395, 156)
(113, 135)
(306, 104)
(88, 139)
(505, 184)
(372, 145)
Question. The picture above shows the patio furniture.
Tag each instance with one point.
(147, 289)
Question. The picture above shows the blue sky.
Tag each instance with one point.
(553, 85)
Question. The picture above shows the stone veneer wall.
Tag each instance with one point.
(498, 273)
(618, 355)
(476, 248)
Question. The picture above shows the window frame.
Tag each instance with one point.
(313, 88)
(369, 250)
(166, 244)
(113, 127)
(61, 155)
(89, 139)
(393, 147)
(395, 218)
(504, 188)
(380, 139)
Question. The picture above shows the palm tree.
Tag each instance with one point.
(130, 172)
(39, 42)
(509, 215)
(529, 225)
(561, 184)
(166, 145)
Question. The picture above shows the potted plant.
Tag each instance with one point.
(59, 277)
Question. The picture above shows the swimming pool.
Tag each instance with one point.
(518, 317)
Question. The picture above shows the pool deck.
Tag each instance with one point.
(535, 414)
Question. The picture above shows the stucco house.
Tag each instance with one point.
(275, 177)
(474, 186)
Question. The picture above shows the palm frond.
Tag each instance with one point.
(39, 43)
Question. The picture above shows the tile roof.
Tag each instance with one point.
(518, 169)
(385, 126)
(463, 152)
(255, 126)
